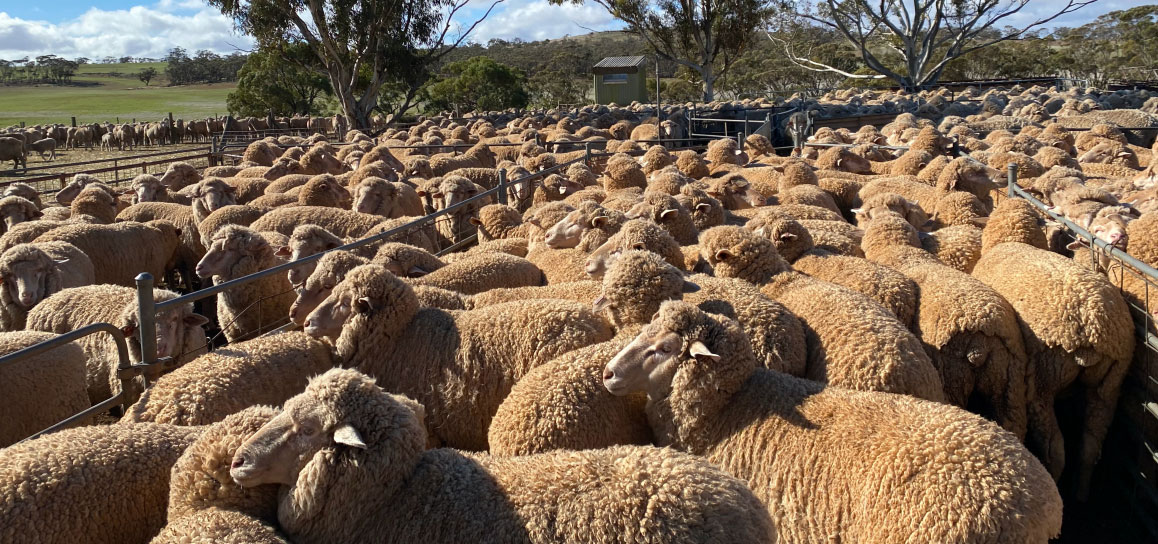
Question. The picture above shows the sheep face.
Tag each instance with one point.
(735, 193)
(281, 448)
(1108, 153)
(568, 232)
(171, 330)
(225, 252)
(16, 210)
(27, 281)
(370, 197)
(327, 319)
(215, 194)
(650, 362)
(147, 189)
(310, 297)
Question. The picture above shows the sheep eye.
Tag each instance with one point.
(328, 287)
(308, 430)
(637, 246)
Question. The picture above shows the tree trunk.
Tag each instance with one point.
(709, 85)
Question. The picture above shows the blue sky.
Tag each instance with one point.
(99, 28)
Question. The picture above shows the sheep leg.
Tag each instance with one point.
(1101, 401)
(1045, 434)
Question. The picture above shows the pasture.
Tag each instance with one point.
(110, 92)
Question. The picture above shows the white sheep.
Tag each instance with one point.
(31, 272)
(259, 306)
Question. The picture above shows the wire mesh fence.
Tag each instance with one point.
(112, 171)
(1127, 475)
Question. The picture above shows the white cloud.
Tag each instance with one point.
(138, 31)
(539, 20)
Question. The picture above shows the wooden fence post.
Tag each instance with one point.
(172, 130)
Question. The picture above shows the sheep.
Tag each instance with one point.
(26, 191)
(479, 156)
(330, 271)
(771, 429)
(635, 234)
(306, 240)
(180, 175)
(1077, 329)
(735, 192)
(585, 228)
(887, 356)
(342, 223)
(23, 233)
(241, 215)
(377, 196)
(205, 504)
(211, 194)
(120, 251)
(366, 460)
(499, 221)
(372, 315)
(41, 390)
(323, 190)
(622, 172)
(147, 188)
(179, 332)
(68, 192)
(968, 329)
(95, 202)
(263, 370)
(891, 203)
(73, 486)
(15, 210)
(31, 272)
(667, 212)
(452, 190)
(958, 246)
(258, 307)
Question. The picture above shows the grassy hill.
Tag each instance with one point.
(108, 92)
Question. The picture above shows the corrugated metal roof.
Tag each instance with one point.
(619, 65)
(621, 62)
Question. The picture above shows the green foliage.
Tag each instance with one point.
(147, 75)
(286, 81)
(555, 82)
(477, 84)
(203, 67)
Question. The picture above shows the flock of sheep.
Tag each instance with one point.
(645, 344)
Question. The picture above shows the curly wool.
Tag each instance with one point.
(72, 485)
(636, 234)
(342, 223)
(409, 494)
(483, 272)
(60, 265)
(1077, 328)
(41, 390)
(735, 252)
(622, 172)
(1014, 220)
(264, 370)
(667, 212)
(236, 214)
(469, 360)
(259, 308)
(769, 429)
(970, 332)
(958, 246)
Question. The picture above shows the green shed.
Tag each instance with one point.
(621, 80)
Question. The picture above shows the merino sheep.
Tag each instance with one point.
(96, 202)
(258, 307)
(887, 356)
(706, 396)
(375, 324)
(26, 191)
(205, 504)
(29, 273)
(120, 251)
(263, 370)
(240, 215)
(104, 484)
(969, 331)
(1077, 330)
(180, 175)
(377, 196)
(179, 332)
(15, 210)
(41, 390)
(342, 223)
(667, 212)
(362, 455)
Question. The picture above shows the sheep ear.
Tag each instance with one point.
(36, 213)
(60, 261)
(704, 206)
(787, 237)
(1074, 246)
(1123, 153)
(129, 329)
(283, 251)
(698, 350)
(663, 214)
(475, 221)
(416, 271)
(723, 254)
(231, 189)
(857, 211)
(689, 287)
(600, 303)
(363, 305)
(195, 320)
(840, 160)
(598, 221)
(979, 222)
(347, 435)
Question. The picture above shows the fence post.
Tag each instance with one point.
(502, 186)
(1011, 180)
(587, 154)
(172, 130)
(147, 321)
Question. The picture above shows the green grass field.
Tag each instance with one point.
(108, 92)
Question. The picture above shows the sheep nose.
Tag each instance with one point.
(608, 374)
(237, 462)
